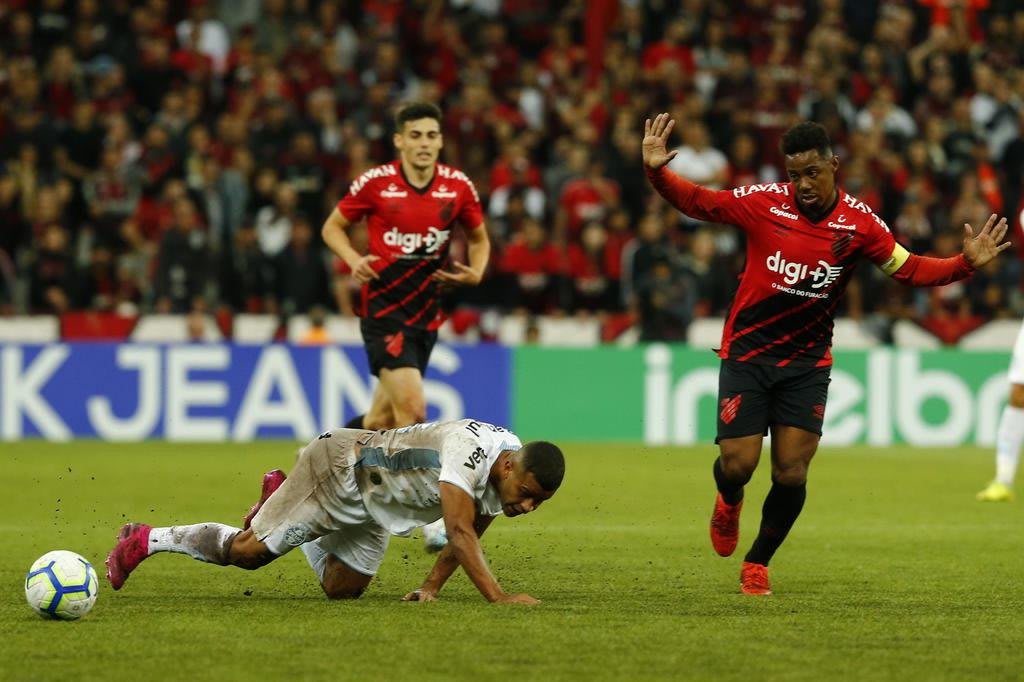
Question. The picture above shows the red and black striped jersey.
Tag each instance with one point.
(410, 230)
(796, 271)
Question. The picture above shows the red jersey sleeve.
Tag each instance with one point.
(471, 214)
(358, 202)
(722, 206)
(879, 244)
(909, 268)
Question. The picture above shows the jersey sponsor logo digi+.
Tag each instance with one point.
(410, 242)
(793, 272)
(392, 192)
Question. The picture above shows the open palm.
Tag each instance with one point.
(980, 249)
(656, 134)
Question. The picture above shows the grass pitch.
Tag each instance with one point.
(892, 572)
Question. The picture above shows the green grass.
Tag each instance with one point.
(892, 572)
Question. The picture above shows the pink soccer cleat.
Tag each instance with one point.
(131, 548)
(272, 480)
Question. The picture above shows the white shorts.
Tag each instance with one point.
(1016, 374)
(320, 499)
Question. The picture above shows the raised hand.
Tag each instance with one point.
(980, 249)
(656, 134)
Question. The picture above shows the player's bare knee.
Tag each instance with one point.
(342, 592)
(793, 475)
(737, 464)
(339, 581)
(340, 586)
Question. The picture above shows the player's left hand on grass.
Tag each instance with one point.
(464, 276)
(420, 595)
(980, 249)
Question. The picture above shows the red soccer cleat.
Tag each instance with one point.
(754, 579)
(131, 549)
(272, 480)
(725, 526)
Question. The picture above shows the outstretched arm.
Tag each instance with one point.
(461, 524)
(445, 566)
(925, 271)
(690, 198)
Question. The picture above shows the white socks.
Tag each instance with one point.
(1008, 443)
(209, 542)
(316, 557)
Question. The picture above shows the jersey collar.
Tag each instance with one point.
(414, 188)
(826, 213)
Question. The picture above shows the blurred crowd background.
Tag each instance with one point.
(161, 156)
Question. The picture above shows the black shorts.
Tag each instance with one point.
(753, 397)
(391, 345)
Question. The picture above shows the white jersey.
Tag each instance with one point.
(399, 471)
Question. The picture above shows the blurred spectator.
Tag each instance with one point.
(592, 289)
(666, 296)
(303, 281)
(697, 160)
(533, 267)
(182, 262)
(112, 194)
(54, 278)
(715, 284)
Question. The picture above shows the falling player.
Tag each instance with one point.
(351, 489)
(804, 239)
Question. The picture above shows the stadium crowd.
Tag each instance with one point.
(172, 157)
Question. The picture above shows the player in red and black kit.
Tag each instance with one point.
(804, 239)
(412, 206)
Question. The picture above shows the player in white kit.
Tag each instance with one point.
(351, 489)
(1010, 435)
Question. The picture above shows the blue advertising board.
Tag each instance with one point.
(223, 391)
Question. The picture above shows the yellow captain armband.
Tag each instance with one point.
(896, 260)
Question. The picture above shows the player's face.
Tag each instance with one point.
(419, 143)
(520, 493)
(814, 179)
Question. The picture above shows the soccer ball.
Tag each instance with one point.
(61, 584)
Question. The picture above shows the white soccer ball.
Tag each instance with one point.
(61, 584)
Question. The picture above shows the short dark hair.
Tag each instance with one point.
(414, 111)
(545, 461)
(805, 136)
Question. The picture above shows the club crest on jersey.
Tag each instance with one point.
(793, 272)
(410, 242)
(392, 192)
(443, 192)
